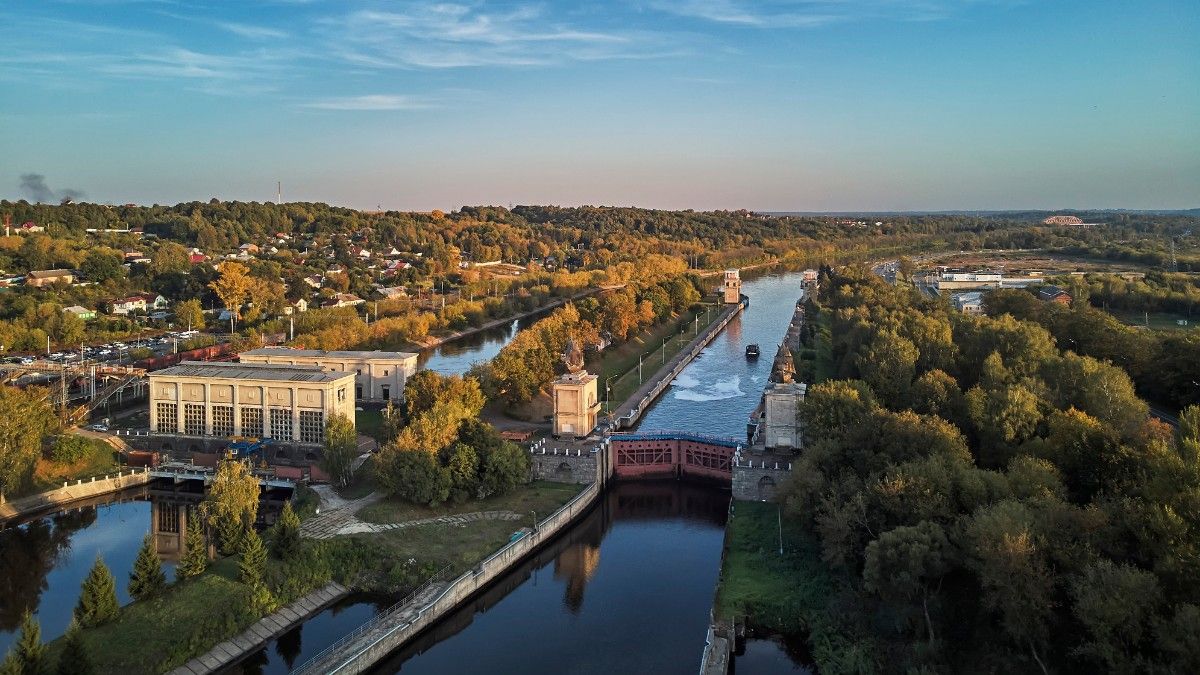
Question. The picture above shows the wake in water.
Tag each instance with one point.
(688, 388)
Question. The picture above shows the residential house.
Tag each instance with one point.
(393, 292)
(314, 280)
(154, 300)
(298, 307)
(30, 227)
(81, 312)
(196, 256)
(1051, 293)
(343, 300)
(133, 303)
(42, 278)
(248, 248)
(968, 303)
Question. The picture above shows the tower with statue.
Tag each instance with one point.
(576, 403)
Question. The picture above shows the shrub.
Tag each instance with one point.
(69, 448)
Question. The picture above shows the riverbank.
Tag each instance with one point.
(431, 342)
(58, 498)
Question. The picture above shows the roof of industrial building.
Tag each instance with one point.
(325, 354)
(251, 371)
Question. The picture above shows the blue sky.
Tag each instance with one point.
(775, 105)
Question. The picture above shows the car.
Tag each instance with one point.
(99, 427)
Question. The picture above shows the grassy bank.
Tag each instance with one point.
(655, 345)
(792, 594)
(99, 459)
(542, 497)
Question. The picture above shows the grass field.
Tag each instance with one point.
(542, 497)
(655, 345)
(369, 423)
(1157, 320)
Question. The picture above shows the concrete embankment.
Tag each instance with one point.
(359, 651)
(71, 491)
(263, 631)
(629, 412)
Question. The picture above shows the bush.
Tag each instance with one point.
(69, 448)
(415, 475)
(505, 468)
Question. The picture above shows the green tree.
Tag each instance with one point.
(195, 557)
(28, 655)
(169, 258)
(906, 562)
(285, 534)
(833, 406)
(147, 577)
(426, 389)
(889, 365)
(505, 468)
(1116, 604)
(413, 475)
(232, 503)
(463, 466)
(252, 562)
(190, 314)
(26, 418)
(102, 264)
(98, 597)
(74, 658)
(69, 448)
(341, 448)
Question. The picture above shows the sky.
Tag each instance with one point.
(779, 105)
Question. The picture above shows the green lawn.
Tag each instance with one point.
(620, 362)
(363, 482)
(543, 497)
(369, 423)
(1158, 320)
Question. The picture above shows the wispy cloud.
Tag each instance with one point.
(253, 32)
(811, 13)
(371, 102)
(449, 35)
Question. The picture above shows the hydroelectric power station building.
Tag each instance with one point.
(379, 376)
(197, 406)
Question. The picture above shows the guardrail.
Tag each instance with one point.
(380, 618)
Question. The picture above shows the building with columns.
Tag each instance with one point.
(197, 405)
(379, 376)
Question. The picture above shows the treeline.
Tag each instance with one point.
(994, 503)
(527, 364)
(1156, 292)
(1165, 365)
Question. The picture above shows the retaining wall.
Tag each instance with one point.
(564, 465)
(458, 591)
(759, 478)
(72, 491)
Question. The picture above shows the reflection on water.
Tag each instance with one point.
(457, 357)
(628, 589)
(771, 656)
(305, 641)
(44, 562)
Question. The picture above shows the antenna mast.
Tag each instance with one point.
(278, 192)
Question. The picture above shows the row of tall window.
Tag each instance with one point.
(312, 422)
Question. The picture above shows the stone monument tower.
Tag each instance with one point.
(575, 401)
(733, 287)
(781, 403)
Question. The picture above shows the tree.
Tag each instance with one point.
(147, 577)
(102, 264)
(831, 407)
(69, 448)
(74, 658)
(25, 419)
(232, 287)
(168, 258)
(190, 314)
(195, 557)
(252, 562)
(98, 597)
(463, 466)
(505, 468)
(232, 503)
(889, 365)
(341, 448)
(28, 656)
(905, 562)
(285, 534)
(426, 389)
(1116, 604)
(414, 475)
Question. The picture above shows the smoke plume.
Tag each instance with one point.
(33, 186)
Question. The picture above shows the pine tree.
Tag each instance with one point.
(285, 536)
(147, 577)
(74, 658)
(253, 560)
(9, 665)
(98, 599)
(195, 558)
(29, 653)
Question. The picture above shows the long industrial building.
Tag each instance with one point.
(198, 405)
(379, 376)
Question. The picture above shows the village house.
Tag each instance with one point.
(343, 300)
(43, 278)
(81, 312)
(1050, 293)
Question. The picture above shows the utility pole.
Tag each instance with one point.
(640, 368)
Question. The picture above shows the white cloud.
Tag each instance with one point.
(370, 102)
(812, 13)
(253, 32)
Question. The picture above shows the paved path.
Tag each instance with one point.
(264, 630)
(359, 526)
(335, 513)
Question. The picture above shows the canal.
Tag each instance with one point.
(630, 587)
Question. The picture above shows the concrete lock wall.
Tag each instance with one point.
(72, 491)
(563, 465)
(468, 584)
(758, 480)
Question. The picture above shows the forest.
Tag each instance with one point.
(993, 498)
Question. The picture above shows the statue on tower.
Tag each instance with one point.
(573, 356)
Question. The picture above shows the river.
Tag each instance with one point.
(630, 587)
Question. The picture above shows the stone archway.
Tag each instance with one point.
(766, 488)
(563, 472)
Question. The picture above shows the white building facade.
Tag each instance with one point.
(378, 376)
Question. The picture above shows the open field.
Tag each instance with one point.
(1021, 262)
(1157, 320)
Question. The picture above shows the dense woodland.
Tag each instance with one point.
(996, 499)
